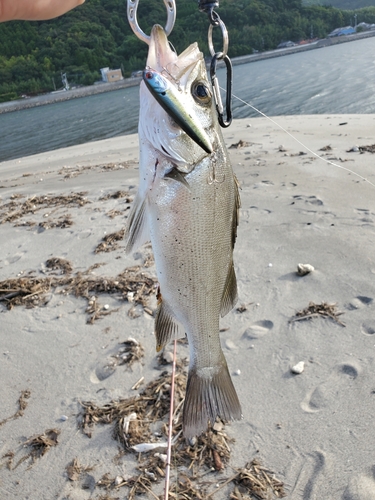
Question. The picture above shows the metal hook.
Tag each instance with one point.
(132, 18)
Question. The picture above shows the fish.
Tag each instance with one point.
(187, 205)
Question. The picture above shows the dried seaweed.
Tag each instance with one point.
(131, 352)
(132, 285)
(14, 210)
(62, 222)
(74, 470)
(132, 417)
(71, 172)
(116, 195)
(240, 144)
(257, 482)
(22, 404)
(319, 310)
(362, 149)
(9, 456)
(40, 444)
(109, 242)
(59, 264)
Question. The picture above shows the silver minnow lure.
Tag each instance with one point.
(168, 97)
(187, 205)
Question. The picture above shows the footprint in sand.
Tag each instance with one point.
(360, 488)
(258, 330)
(311, 200)
(325, 394)
(316, 467)
(368, 327)
(102, 371)
(359, 302)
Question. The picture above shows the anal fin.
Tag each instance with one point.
(230, 296)
(166, 327)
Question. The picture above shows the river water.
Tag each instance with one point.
(336, 79)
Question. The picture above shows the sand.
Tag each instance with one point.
(314, 430)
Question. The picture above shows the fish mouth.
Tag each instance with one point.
(160, 54)
(165, 87)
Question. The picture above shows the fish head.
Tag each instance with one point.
(177, 114)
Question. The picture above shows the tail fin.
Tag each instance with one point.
(209, 394)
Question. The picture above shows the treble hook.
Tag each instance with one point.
(132, 18)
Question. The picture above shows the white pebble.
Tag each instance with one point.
(119, 480)
(303, 269)
(63, 418)
(162, 457)
(270, 265)
(298, 368)
(229, 344)
(237, 372)
(106, 307)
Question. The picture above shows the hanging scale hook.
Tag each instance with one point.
(132, 7)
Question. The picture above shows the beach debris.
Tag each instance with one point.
(110, 242)
(313, 310)
(62, 222)
(116, 195)
(362, 149)
(240, 144)
(40, 444)
(71, 172)
(256, 481)
(326, 148)
(15, 209)
(31, 291)
(59, 264)
(281, 149)
(343, 123)
(243, 307)
(22, 404)
(9, 456)
(130, 352)
(134, 421)
(303, 269)
(75, 470)
(298, 368)
(367, 149)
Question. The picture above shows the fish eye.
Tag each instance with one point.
(201, 93)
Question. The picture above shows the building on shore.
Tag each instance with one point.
(111, 75)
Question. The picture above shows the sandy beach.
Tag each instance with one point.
(70, 297)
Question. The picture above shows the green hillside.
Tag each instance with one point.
(34, 54)
(342, 4)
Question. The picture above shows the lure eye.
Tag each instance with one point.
(148, 75)
(201, 93)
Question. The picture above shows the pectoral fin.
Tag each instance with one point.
(136, 232)
(178, 176)
(230, 296)
(166, 327)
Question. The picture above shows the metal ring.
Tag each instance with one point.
(132, 7)
(223, 54)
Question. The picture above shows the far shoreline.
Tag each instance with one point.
(52, 98)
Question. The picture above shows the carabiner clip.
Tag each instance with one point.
(216, 89)
(132, 18)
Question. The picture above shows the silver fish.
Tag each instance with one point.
(187, 204)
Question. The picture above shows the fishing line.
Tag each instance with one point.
(301, 143)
